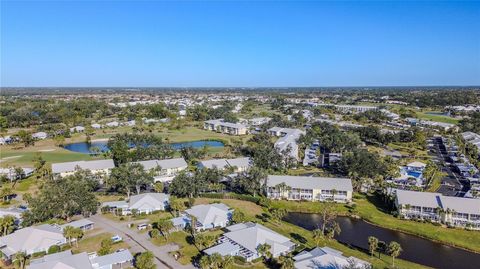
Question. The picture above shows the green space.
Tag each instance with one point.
(302, 237)
(438, 118)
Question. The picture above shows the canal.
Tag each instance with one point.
(355, 232)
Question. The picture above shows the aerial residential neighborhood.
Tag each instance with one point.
(239, 134)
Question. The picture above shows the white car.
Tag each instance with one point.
(116, 238)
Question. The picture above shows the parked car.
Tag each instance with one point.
(116, 238)
(142, 226)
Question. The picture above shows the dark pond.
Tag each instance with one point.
(83, 147)
(355, 232)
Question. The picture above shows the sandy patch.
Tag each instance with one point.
(46, 150)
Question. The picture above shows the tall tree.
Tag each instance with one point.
(145, 261)
(130, 177)
(372, 244)
(394, 250)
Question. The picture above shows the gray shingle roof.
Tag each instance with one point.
(62, 260)
(434, 200)
(207, 214)
(301, 182)
(113, 258)
(164, 164)
(78, 223)
(32, 238)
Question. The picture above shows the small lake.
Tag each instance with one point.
(355, 232)
(84, 147)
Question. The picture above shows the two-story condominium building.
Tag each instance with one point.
(453, 211)
(244, 239)
(239, 164)
(309, 188)
(96, 167)
(221, 126)
(288, 139)
(165, 170)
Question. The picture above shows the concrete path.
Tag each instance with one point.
(140, 242)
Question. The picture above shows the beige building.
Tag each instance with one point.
(96, 167)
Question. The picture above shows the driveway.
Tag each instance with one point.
(140, 242)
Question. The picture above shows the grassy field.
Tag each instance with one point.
(17, 155)
(92, 243)
(439, 118)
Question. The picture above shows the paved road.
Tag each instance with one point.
(140, 242)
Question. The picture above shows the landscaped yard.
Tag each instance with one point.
(93, 243)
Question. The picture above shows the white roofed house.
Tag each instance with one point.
(453, 211)
(309, 188)
(208, 216)
(77, 129)
(31, 240)
(145, 203)
(39, 135)
(166, 169)
(237, 164)
(112, 124)
(68, 260)
(84, 224)
(96, 167)
(327, 258)
(12, 174)
(244, 239)
(288, 140)
(96, 126)
(219, 125)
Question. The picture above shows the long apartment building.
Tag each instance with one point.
(452, 211)
(219, 125)
(309, 188)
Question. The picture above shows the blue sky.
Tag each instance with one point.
(107, 43)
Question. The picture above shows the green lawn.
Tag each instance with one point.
(92, 243)
(438, 118)
(456, 237)
(302, 236)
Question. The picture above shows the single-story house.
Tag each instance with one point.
(145, 203)
(67, 260)
(96, 126)
(327, 258)
(84, 224)
(207, 216)
(12, 175)
(39, 135)
(167, 169)
(309, 188)
(112, 124)
(77, 129)
(244, 239)
(31, 240)
(240, 164)
(69, 168)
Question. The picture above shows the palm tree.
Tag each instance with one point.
(77, 233)
(216, 261)
(69, 232)
(317, 236)
(394, 250)
(227, 262)
(7, 224)
(372, 244)
(204, 262)
(264, 250)
(21, 257)
(165, 226)
(286, 262)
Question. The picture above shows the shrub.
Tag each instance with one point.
(53, 249)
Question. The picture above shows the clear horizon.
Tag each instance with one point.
(239, 44)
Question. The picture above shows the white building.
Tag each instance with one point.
(309, 188)
(11, 174)
(145, 203)
(243, 240)
(221, 126)
(96, 167)
(96, 126)
(166, 169)
(327, 258)
(453, 211)
(31, 240)
(239, 164)
(208, 216)
(39, 135)
(288, 139)
(67, 260)
(77, 129)
(113, 124)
